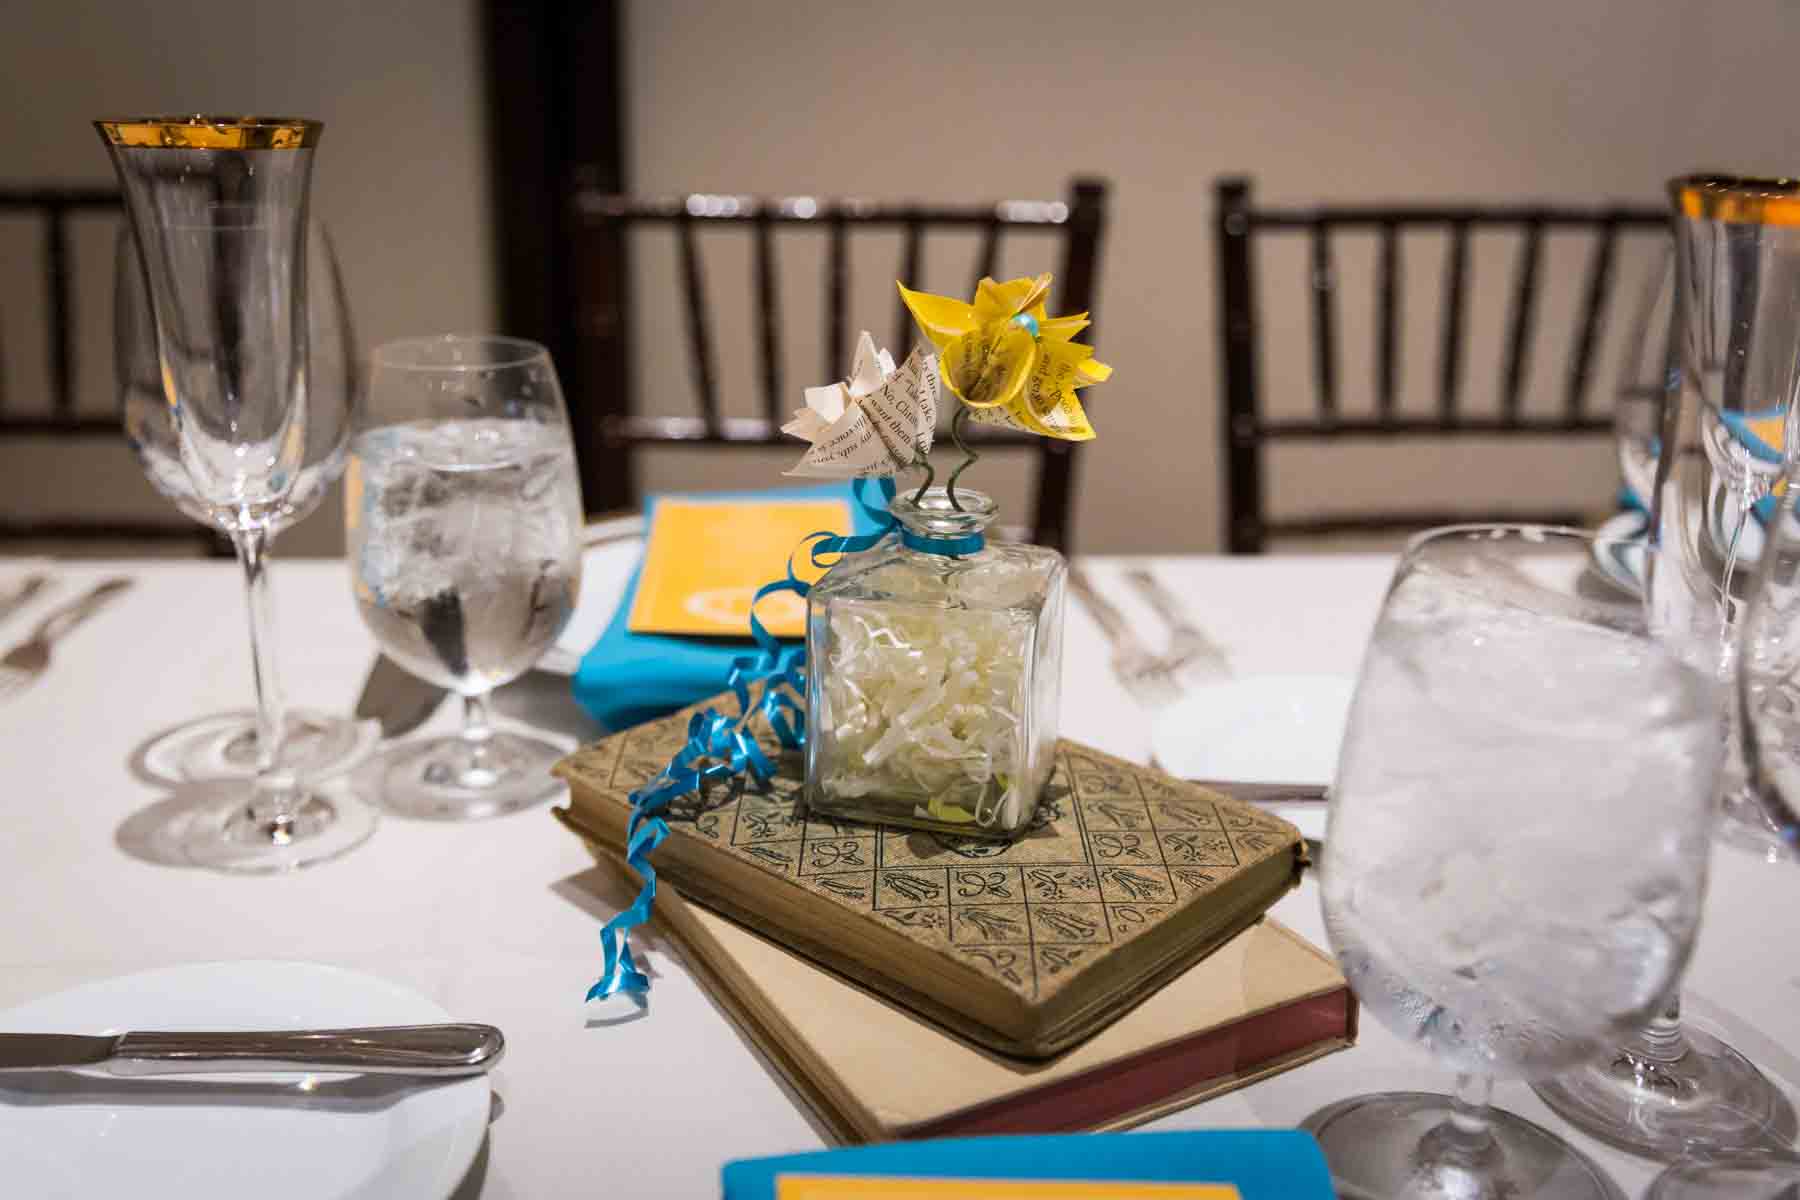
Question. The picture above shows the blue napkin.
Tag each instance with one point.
(628, 678)
(1263, 1164)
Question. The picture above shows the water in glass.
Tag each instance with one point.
(1511, 846)
(465, 540)
(1516, 849)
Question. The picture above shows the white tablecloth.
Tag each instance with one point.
(496, 920)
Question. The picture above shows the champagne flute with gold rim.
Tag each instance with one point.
(218, 206)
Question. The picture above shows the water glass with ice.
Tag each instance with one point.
(464, 519)
(1517, 849)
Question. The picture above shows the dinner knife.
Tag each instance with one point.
(435, 1051)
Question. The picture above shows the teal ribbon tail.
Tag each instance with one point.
(721, 747)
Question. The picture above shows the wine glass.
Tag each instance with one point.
(1671, 1087)
(218, 208)
(1738, 338)
(1768, 695)
(224, 745)
(1735, 329)
(464, 518)
(1517, 848)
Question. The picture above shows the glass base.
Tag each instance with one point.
(223, 746)
(462, 779)
(1766, 1176)
(1711, 1098)
(329, 820)
(1394, 1146)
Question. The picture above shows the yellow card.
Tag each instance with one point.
(865, 1187)
(1772, 430)
(707, 558)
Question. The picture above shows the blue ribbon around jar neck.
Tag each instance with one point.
(949, 547)
(933, 521)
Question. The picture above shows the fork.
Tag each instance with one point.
(26, 662)
(20, 596)
(1189, 649)
(1145, 675)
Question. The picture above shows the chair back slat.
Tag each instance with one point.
(768, 322)
(837, 291)
(1521, 323)
(987, 260)
(700, 351)
(1077, 281)
(910, 250)
(60, 289)
(53, 207)
(1238, 417)
(1596, 292)
(1078, 274)
(1387, 298)
(1323, 280)
(1450, 339)
(1656, 283)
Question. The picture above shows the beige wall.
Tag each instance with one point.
(1561, 99)
(400, 176)
(1576, 100)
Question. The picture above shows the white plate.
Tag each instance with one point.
(1264, 729)
(268, 1136)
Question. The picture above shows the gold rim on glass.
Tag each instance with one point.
(203, 132)
(1737, 198)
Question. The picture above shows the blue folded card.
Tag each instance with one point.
(628, 678)
(1262, 1164)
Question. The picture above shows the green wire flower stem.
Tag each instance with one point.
(922, 460)
(969, 456)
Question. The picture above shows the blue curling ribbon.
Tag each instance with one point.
(724, 744)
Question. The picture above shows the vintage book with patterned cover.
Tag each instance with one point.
(1126, 878)
(870, 1071)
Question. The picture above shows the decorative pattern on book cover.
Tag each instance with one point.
(1115, 853)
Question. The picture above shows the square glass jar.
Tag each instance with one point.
(934, 674)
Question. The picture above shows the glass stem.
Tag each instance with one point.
(1660, 1042)
(1749, 492)
(276, 794)
(1467, 1134)
(476, 730)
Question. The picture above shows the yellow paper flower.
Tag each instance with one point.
(1009, 360)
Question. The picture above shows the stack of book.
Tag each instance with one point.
(1112, 965)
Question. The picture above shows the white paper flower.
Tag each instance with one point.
(877, 422)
